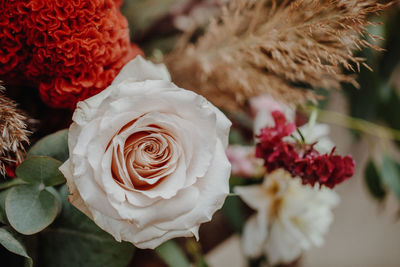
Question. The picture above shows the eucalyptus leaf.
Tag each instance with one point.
(54, 145)
(373, 181)
(9, 240)
(172, 254)
(3, 216)
(42, 170)
(75, 240)
(390, 173)
(30, 209)
(55, 193)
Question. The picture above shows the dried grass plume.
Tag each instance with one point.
(283, 48)
(13, 133)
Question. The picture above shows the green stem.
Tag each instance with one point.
(355, 124)
(12, 182)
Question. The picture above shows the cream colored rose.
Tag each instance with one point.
(147, 159)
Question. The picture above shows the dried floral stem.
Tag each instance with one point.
(283, 48)
(13, 133)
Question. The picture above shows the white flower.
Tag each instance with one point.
(290, 217)
(147, 159)
(316, 133)
(262, 108)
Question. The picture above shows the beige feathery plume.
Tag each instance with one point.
(283, 48)
(13, 133)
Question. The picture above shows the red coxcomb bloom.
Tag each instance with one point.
(276, 153)
(70, 49)
(326, 169)
(281, 129)
(301, 160)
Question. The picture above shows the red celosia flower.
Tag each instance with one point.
(276, 153)
(309, 164)
(326, 169)
(71, 49)
(281, 129)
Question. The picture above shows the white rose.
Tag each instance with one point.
(147, 159)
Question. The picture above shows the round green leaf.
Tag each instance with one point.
(29, 209)
(42, 170)
(9, 240)
(3, 216)
(54, 145)
(55, 193)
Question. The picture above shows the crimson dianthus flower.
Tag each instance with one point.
(276, 153)
(281, 129)
(70, 49)
(301, 160)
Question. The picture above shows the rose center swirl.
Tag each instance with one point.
(144, 159)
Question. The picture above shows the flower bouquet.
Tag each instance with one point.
(116, 148)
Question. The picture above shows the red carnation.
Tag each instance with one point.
(70, 49)
(301, 160)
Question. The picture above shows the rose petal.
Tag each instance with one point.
(140, 69)
(213, 188)
(166, 210)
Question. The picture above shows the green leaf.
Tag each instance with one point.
(235, 137)
(8, 239)
(391, 175)
(54, 145)
(75, 240)
(232, 211)
(3, 216)
(55, 193)
(172, 254)
(201, 262)
(30, 209)
(41, 169)
(373, 181)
